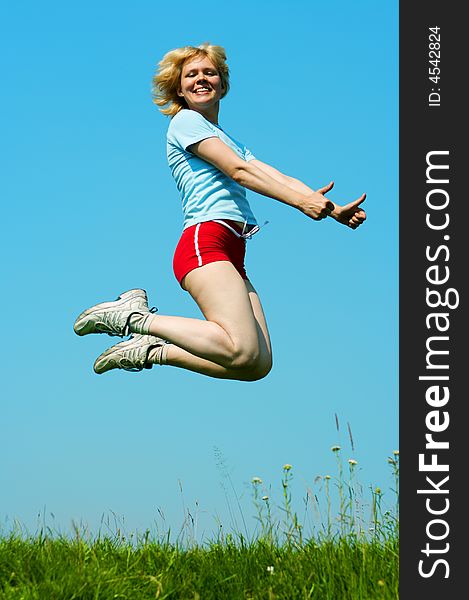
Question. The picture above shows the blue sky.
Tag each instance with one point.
(90, 210)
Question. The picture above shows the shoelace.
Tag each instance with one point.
(135, 361)
(111, 326)
(126, 329)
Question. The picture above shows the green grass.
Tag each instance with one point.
(59, 569)
(346, 548)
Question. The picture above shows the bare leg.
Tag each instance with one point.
(177, 357)
(233, 342)
(262, 330)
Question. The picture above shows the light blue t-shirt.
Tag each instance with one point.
(206, 192)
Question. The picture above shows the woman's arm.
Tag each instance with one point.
(295, 184)
(264, 179)
(349, 215)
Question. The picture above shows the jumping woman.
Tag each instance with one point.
(212, 171)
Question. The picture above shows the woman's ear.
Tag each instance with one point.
(180, 93)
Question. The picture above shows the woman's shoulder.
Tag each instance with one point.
(188, 127)
(186, 117)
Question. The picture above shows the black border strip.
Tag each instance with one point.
(433, 272)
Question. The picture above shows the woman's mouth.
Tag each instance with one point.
(202, 90)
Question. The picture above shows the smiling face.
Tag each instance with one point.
(201, 86)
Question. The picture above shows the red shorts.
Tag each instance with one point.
(208, 242)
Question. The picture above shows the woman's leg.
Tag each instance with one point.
(233, 342)
(177, 357)
(262, 330)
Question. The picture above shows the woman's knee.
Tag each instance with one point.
(246, 354)
(264, 367)
(253, 365)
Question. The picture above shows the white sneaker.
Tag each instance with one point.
(113, 317)
(130, 355)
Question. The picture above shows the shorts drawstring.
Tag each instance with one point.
(245, 235)
(248, 235)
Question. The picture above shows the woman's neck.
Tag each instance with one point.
(211, 113)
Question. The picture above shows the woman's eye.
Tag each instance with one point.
(206, 73)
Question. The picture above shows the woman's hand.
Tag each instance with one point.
(350, 214)
(318, 207)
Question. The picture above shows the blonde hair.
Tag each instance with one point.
(167, 80)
